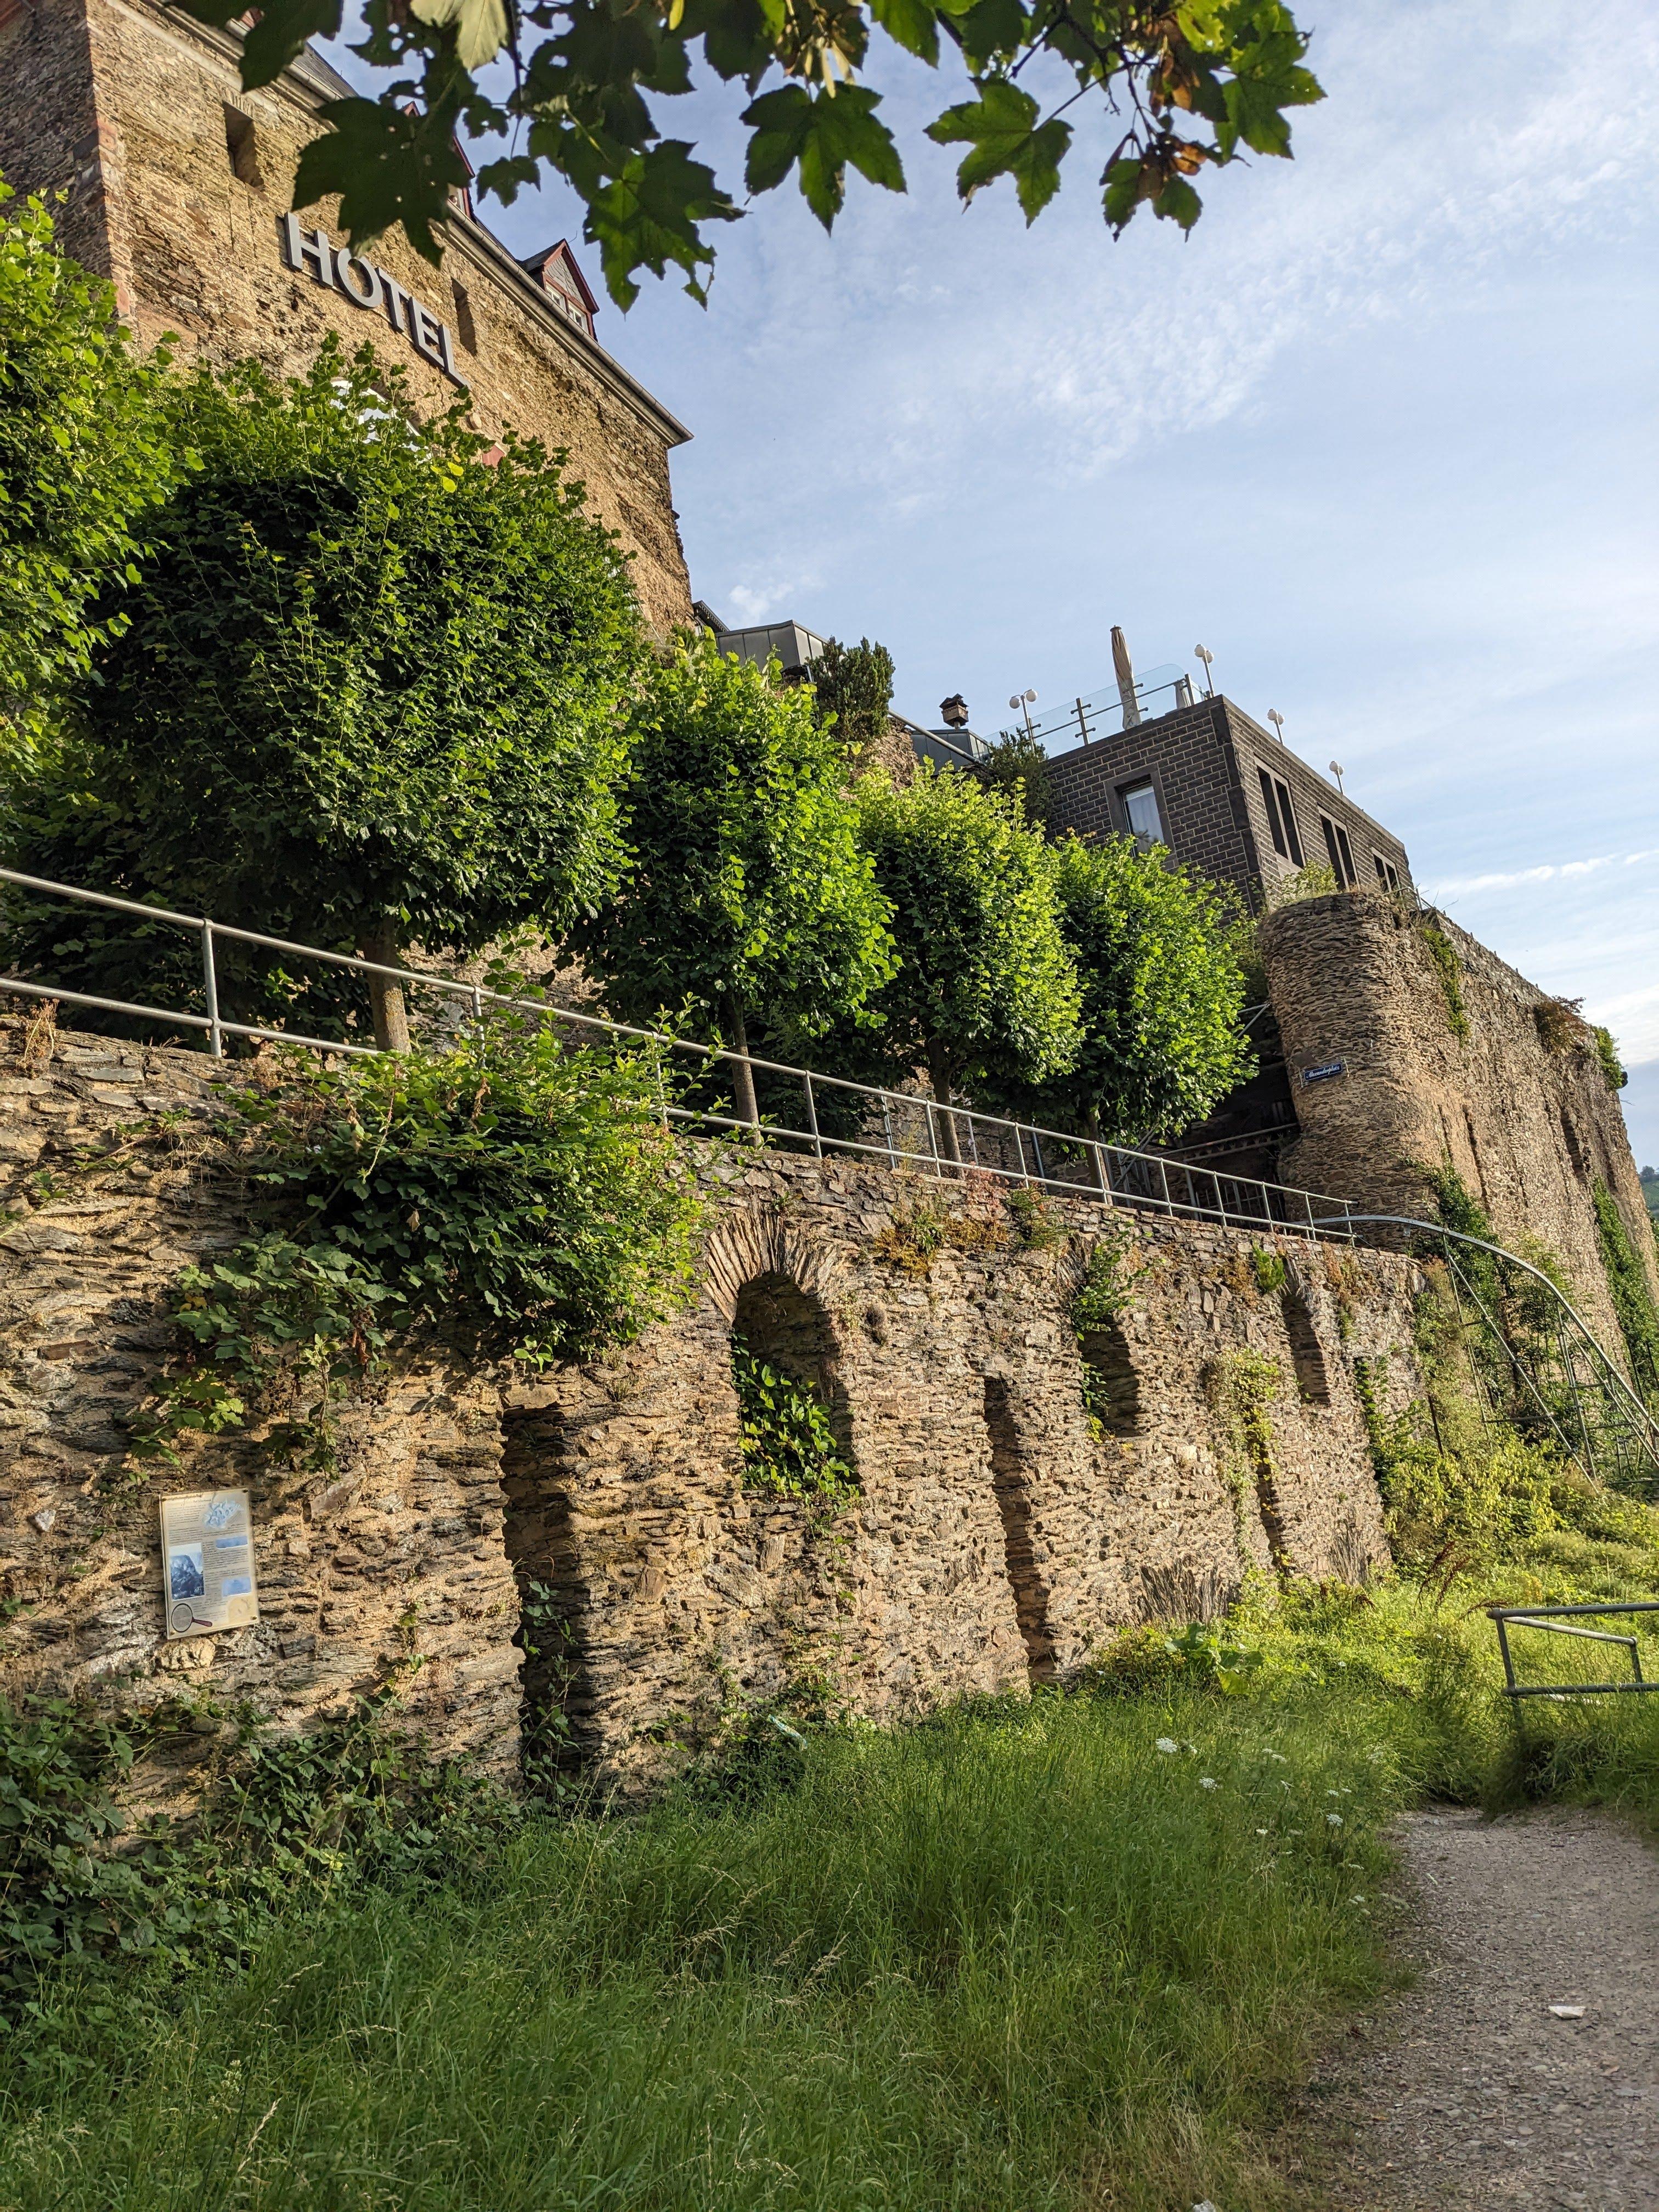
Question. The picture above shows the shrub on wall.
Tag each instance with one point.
(789, 1447)
(747, 898)
(986, 994)
(1614, 1073)
(1163, 995)
(528, 1197)
(853, 685)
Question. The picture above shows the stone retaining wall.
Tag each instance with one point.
(997, 1532)
(1519, 1106)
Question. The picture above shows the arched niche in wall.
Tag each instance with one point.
(1313, 1381)
(780, 1330)
(1111, 1388)
(1009, 1481)
(555, 1603)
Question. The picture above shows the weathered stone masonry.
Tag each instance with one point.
(996, 1532)
(1521, 1111)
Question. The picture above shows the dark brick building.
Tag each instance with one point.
(1225, 796)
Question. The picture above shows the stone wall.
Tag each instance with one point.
(123, 104)
(1519, 1106)
(997, 1533)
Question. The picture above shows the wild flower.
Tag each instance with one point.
(1208, 1781)
(1334, 1820)
(1167, 1743)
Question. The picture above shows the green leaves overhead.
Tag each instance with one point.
(386, 167)
(823, 134)
(1165, 88)
(647, 218)
(1001, 126)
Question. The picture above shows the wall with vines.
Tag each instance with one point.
(735, 1452)
(1450, 1060)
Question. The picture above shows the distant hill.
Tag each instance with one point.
(1650, 1188)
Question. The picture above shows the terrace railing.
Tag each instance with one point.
(901, 1129)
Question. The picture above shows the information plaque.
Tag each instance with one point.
(207, 1562)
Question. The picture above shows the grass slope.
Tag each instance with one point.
(1068, 1952)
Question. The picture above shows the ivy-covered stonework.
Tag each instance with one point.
(611, 1489)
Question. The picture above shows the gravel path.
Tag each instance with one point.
(1469, 2091)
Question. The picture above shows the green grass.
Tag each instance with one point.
(1016, 1958)
(1013, 1958)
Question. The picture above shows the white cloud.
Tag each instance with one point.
(1548, 871)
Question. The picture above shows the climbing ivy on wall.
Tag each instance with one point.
(1240, 1387)
(1614, 1074)
(1110, 1394)
(789, 1447)
(1627, 1283)
(1449, 970)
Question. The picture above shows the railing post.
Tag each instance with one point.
(887, 1131)
(811, 1111)
(1163, 1178)
(211, 978)
(1102, 1183)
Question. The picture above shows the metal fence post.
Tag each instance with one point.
(211, 977)
(812, 1112)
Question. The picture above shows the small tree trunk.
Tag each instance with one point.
(386, 998)
(938, 1068)
(742, 1076)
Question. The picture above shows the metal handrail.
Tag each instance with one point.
(1572, 1330)
(1120, 1174)
(1548, 1620)
(1632, 1404)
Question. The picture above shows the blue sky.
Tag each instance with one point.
(1382, 435)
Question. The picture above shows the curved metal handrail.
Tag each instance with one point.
(1647, 1429)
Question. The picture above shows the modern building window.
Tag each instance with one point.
(1281, 817)
(1386, 874)
(240, 145)
(1341, 854)
(1140, 809)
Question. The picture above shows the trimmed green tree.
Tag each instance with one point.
(748, 895)
(85, 458)
(1163, 994)
(367, 689)
(854, 683)
(1016, 762)
(986, 994)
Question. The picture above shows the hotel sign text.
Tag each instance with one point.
(372, 289)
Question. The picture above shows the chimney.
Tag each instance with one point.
(1126, 678)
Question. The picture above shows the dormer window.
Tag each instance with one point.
(566, 288)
